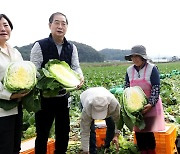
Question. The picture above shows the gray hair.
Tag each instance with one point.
(57, 13)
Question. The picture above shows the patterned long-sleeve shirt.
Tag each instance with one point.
(155, 83)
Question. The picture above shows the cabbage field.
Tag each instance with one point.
(111, 75)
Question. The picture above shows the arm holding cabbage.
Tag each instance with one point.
(147, 108)
(18, 95)
(18, 81)
(57, 77)
(81, 83)
(36, 57)
(76, 66)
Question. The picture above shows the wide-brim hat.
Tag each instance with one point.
(99, 108)
(137, 50)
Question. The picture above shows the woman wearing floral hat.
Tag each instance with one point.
(146, 75)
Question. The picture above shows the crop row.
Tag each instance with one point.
(111, 75)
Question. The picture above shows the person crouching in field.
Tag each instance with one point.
(97, 104)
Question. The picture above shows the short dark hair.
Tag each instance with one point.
(57, 13)
(8, 20)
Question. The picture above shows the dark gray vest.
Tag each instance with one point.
(49, 50)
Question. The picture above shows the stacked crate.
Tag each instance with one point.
(27, 146)
(100, 132)
(165, 140)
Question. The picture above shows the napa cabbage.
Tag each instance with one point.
(57, 77)
(20, 76)
(132, 102)
(134, 99)
(62, 72)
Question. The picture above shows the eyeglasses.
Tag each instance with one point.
(59, 23)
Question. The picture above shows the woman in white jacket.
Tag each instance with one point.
(10, 120)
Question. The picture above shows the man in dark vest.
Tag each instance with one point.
(55, 108)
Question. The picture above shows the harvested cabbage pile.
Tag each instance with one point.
(56, 77)
(133, 101)
(20, 76)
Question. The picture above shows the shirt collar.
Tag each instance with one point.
(141, 67)
(4, 50)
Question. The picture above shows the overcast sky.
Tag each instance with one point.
(116, 24)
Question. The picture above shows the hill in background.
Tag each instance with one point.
(86, 53)
(114, 54)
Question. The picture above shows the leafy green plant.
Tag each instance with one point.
(127, 147)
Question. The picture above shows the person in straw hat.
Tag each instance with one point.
(98, 103)
(144, 74)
